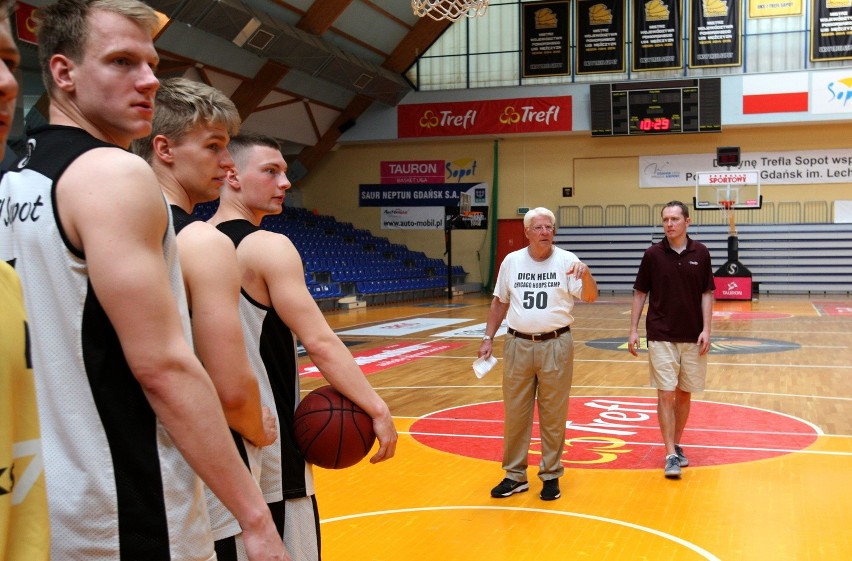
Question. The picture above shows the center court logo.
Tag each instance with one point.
(615, 432)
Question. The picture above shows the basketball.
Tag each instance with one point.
(331, 431)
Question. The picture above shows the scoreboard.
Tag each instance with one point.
(662, 107)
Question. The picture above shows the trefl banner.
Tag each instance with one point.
(500, 116)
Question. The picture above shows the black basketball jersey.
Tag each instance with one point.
(222, 521)
(181, 219)
(118, 488)
(271, 348)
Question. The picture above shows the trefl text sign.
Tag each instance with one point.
(502, 116)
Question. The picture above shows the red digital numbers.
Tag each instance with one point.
(655, 124)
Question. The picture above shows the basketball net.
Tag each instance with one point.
(727, 210)
(449, 9)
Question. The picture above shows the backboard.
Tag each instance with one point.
(465, 203)
(715, 190)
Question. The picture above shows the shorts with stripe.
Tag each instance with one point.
(297, 521)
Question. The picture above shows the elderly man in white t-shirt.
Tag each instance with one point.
(535, 292)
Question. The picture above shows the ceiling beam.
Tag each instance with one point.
(249, 95)
(321, 15)
(425, 32)
(386, 14)
(311, 155)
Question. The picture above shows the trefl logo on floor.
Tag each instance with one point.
(614, 432)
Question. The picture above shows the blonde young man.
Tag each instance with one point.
(276, 308)
(24, 526)
(128, 414)
(535, 291)
(188, 151)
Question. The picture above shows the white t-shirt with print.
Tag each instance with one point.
(540, 293)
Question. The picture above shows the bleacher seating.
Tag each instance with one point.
(359, 263)
(341, 260)
(783, 258)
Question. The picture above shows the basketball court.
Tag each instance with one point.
(769, 442)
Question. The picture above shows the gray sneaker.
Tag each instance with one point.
(680, 457)
(508, 487)
(672, 469)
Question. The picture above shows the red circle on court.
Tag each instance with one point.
(622, 433)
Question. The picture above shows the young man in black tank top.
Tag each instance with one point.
(126, 407)
(187, 149)
(277, 306)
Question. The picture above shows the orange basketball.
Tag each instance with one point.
(331, 431)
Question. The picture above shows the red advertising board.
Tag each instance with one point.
(500, 116)
(733, 288)
(413, 171)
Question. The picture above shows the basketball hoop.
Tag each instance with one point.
(452, 10)
(727, 210)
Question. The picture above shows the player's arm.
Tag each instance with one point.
(280, 266)
(208, 261)
(496, 315)
(635, 315)
(706, 318)
(123, 248)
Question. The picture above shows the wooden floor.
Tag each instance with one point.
(769, 441)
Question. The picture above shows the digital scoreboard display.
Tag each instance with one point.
(663, 107)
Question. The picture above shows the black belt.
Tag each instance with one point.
(539, 336)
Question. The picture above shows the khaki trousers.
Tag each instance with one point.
(536, 371)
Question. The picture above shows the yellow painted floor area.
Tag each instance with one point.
(431, 505)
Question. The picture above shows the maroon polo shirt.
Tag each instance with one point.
(674, 284)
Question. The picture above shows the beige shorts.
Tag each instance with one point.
(677, 365)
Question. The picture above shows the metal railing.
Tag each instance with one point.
(782, 212)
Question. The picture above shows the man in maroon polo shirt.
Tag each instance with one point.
(677, 274)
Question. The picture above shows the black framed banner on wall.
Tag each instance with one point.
(657, 35)
(545, 43)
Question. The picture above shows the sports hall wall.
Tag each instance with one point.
(531, 171)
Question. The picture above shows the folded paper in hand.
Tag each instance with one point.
(483, 366)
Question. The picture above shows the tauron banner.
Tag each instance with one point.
(831, 30)
(420, 172)
(715, 36)
(545, 38)
(600, 36)
(656, 35)
(499, 116)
